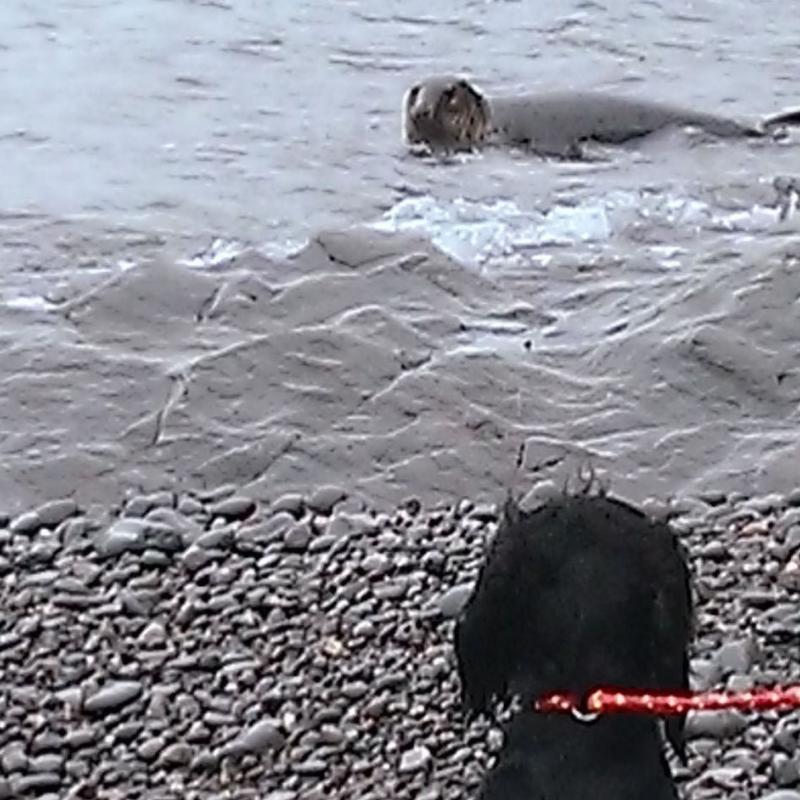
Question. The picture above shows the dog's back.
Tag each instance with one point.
(581, 593)
(554, 757)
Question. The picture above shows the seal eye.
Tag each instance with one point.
(413, 94)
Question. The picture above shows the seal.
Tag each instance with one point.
(448, 113)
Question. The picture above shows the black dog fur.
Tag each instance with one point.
(554, 757)
(583, 592)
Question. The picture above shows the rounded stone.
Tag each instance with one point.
(264, 735)
(323, 500)
(297, 537)
(176, 755)
(150, 748)
(292, 502)
(714, 724)
(415, 760)
(736, 656)
(112, 696)
(233, 508)
(28, 522)
(454, 600)
(153, 635)
(55, 512)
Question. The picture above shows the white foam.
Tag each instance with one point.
(474, 232)
(28, 303)
(219, 252)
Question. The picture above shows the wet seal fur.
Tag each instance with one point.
(584, 591)
(449, 114)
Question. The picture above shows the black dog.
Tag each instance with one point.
(554, 757)
(584, 592)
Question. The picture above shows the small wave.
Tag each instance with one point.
(474, 233)
(219, 252)
(28, 303)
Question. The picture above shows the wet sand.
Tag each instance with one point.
(374, 362)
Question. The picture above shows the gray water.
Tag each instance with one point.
(269, 120)
(148, 128)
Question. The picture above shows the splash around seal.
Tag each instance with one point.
(449, 114)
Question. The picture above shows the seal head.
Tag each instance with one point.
(447, 113)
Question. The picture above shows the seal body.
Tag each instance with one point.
(557, 123)
(449, 113)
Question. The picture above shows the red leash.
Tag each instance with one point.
(604, 701)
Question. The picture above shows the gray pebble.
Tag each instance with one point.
(46, 742)
(112, 696)
(264, 735)
(323, 500)
(354, 689)
(320, 543)
(220, 537)
(139, 603)
(364, 628)
(128, 731)
(268, 531)
(153, 635)
(49, 762)
(297, 537)
(196, 558)
(339, 526)
(198, 733)
(80, 737)
(714, 724)
(792, 539)
(785, 735)
(155, 558)
(28, 522)
(150, 748)
(13, 758)
(415, 760)
(376, 563)
(781, 794)
(72, 531)
(311, 766)
(233, 508)
(453, 601)
(292, 502)
(736, 656)
(785, 771)
(35, 783)
(135, 535)
(174, 520)
(176, 755)
(204, 761)
(137, 506)
(190, 506)
(55, 512)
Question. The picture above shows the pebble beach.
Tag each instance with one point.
(196, 645)
(263, 378)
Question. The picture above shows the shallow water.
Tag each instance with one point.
(192, 131)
